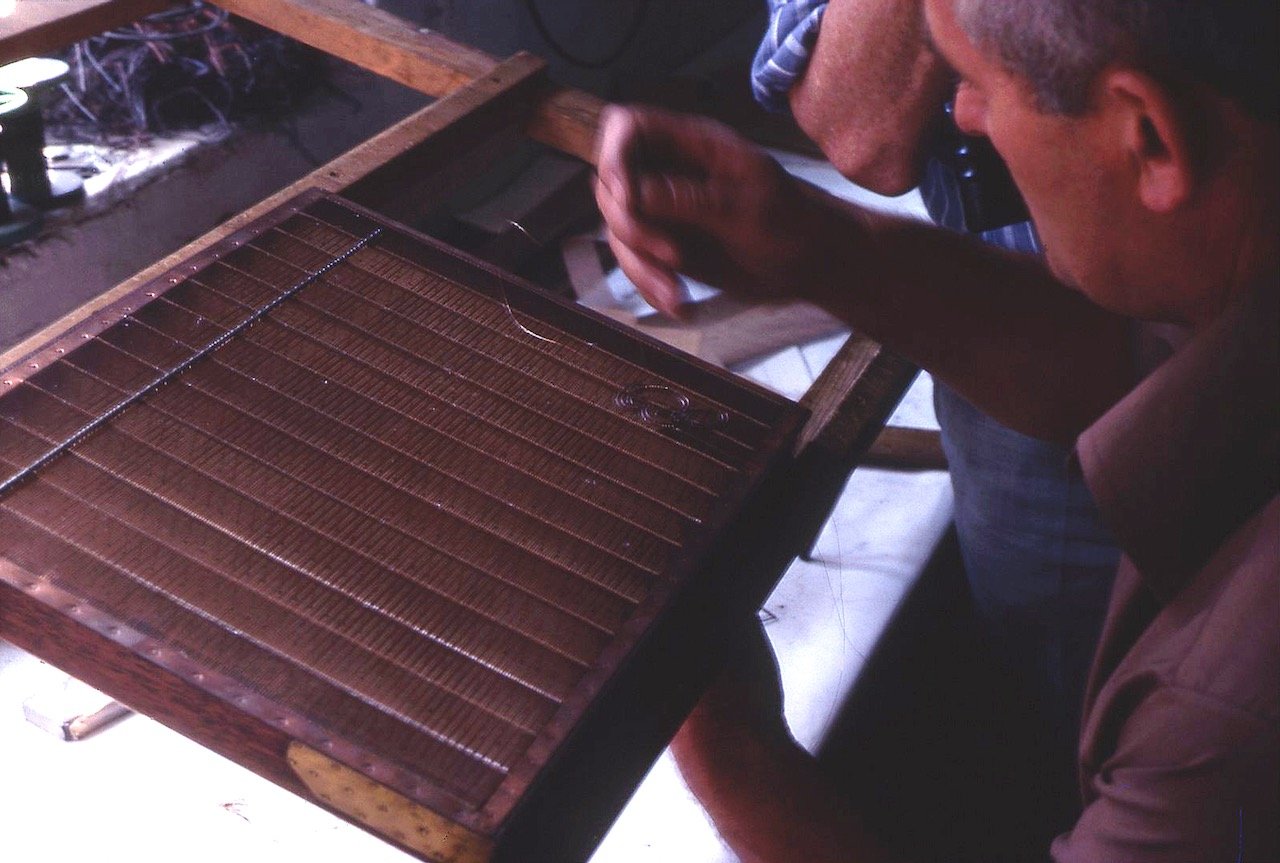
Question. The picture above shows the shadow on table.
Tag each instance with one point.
(937, 745)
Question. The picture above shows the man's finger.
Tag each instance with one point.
(635, 232)
(614, 143)
(666, 141)
(681, 200)
(660, 286)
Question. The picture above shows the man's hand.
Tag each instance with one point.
(767, 796)
(683, 194)
(742, 707)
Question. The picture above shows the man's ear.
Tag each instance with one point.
(1156, 136)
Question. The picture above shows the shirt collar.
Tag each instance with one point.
(1194, 449)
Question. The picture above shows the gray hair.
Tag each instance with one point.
(1059, 46)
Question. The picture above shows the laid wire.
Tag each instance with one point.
(97, 422)
(506, 302)
(71, 97)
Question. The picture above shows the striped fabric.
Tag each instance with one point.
(784, 51)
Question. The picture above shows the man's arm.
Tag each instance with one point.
(871, 89)
(766, 795)
(681, 194)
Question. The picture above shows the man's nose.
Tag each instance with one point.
(969, 112)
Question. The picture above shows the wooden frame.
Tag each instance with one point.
(38, 26)
(483, 107)
(621, 709)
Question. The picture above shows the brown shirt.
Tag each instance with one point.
(1180, 748)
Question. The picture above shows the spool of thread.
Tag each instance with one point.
(18, 222)
(30, 179)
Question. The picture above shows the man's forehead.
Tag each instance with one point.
(943, 34)
(938, 16)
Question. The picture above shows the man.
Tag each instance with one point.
(1144, 138)
(861, 80)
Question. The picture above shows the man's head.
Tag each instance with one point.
(1131, 126)
(1061, 46)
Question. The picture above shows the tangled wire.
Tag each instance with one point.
(190, 67)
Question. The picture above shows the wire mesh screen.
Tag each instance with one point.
(407, 497)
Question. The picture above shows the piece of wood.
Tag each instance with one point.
(426, 61)
(383, 811)
(373, 39)
(71, 709)
(734, 331)
(38, 26)
(729, 332)
(88, 724)
(567, 120)
(900, 448)
(849, 404)
(390, 163)
(836, 424)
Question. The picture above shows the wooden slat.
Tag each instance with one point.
(39, 26)
(426, 61)
(849, 404)
(567, 120)
(907, 449)
(435, 136)
(371, 38)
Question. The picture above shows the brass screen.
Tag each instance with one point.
(413, 500)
